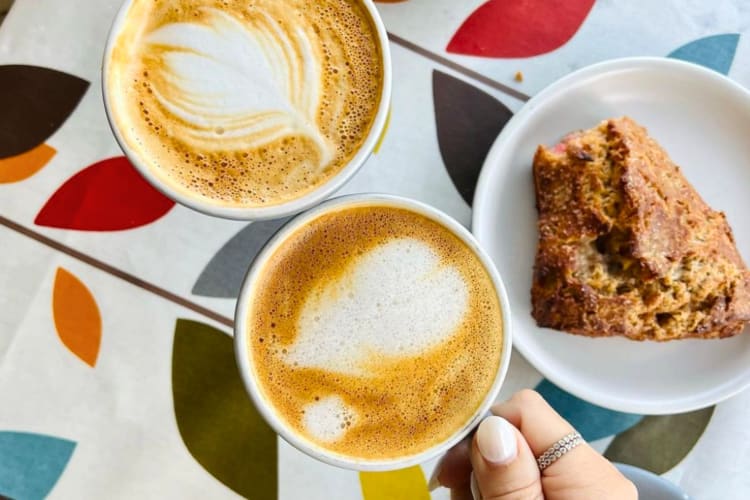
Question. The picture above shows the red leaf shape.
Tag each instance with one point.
(502, 28)
(107, 196)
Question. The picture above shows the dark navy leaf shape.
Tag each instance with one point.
(715, 52)
(31, 464)
(468, 122)
(593, 422)
(34, 102)
(223, 275)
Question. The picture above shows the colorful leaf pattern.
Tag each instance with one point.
(403, 484)
(22, 166)
(31, 464)
(77, 318)
(34, 103)
(219, 425)
(658, 443)
(109, 195)
(593, 422)
(715, 52)
(217, 422)
(468, 121)
(223, 275)
(500, 28)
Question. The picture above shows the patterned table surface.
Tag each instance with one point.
(117, 377)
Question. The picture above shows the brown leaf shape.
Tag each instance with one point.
(34, 102)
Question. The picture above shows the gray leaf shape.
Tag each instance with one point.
(223, 275)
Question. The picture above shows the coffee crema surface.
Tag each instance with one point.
(245, 103)
(374, 332)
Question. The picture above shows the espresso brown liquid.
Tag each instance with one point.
(245, 104)
(404, 404)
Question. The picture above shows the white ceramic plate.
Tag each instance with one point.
(702, 119)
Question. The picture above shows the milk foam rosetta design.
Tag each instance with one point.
(375, 332)
(246, 103)
(235, 85)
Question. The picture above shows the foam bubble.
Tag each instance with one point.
(328, 419)
(399, 299)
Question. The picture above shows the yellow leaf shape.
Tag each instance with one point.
(376, 149)
(20, 167)
(77, 319)
(403, 484)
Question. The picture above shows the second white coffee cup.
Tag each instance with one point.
(245, 358)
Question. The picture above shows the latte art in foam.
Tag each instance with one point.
(374, 332)
(397, 300)
(245, 104)
(236, 85)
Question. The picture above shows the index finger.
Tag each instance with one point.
(539, 423)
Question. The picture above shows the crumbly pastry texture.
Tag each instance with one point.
(627, 246)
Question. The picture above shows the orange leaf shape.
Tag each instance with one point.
(20, 167)
(77, 319)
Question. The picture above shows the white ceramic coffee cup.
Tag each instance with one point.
(185, 197)
(245, 362)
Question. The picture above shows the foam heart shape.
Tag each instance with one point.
(397, 300)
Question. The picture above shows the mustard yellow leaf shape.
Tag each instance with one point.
(376, 150)
(77, 319)
(659, 442)
(403, 484)
(217, 421)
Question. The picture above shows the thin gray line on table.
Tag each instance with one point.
(102, 266)
(457, 67)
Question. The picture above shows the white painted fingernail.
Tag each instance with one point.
(496, 440)
(475, 493)
(434, 482)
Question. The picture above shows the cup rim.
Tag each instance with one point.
(246, 367)
(184, 197)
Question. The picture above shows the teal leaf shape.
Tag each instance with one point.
(715, 52)
(31, 464)
(223, 275)
(593, 422)
(217, 421)
(658, 443)
(468, 121)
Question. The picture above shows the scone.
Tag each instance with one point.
(627, 246)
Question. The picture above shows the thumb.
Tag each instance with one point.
(504, 466)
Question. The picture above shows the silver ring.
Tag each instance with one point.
(557, 450)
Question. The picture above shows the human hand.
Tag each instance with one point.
(499, 462)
